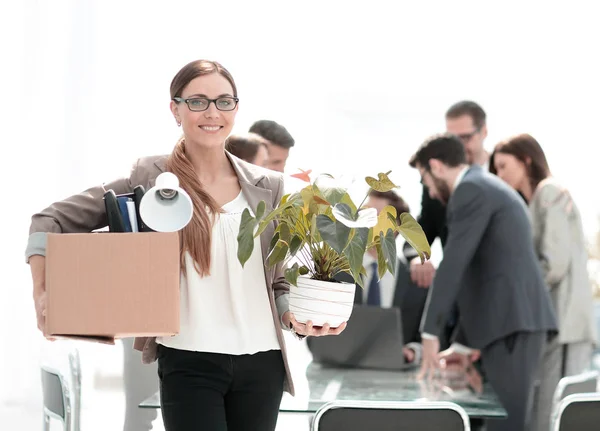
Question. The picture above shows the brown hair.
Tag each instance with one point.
(394, 199)
(197, 235)
(245, 146)
(526, 149)
(470, 108)
(444, 147)
(273, 132)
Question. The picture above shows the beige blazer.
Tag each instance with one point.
(85, 212)
(560, 244)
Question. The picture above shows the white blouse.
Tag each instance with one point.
(227, 311)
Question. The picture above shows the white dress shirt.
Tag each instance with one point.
(387, 284)
(227, 311)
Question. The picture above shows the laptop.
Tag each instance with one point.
(372, 339)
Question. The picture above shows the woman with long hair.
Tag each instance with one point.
(227, 367)
(560, 245)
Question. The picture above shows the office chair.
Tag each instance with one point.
(390, 416)
(579, 383)
(579, 412)
(61, 402)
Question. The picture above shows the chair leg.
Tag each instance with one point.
(75, 364)
(46, 422)
(68, 421)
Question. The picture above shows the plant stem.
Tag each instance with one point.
(364, 200)
(306, 258)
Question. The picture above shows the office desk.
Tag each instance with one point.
(322, 384)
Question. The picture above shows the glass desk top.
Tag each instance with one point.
(323, 384)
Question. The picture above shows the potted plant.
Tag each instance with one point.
(322, 235)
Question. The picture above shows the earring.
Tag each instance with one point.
(178, 123)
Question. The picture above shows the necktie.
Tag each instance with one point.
(374, 293)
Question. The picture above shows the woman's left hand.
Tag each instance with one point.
(307, 329)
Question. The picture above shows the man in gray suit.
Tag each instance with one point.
(491, 271)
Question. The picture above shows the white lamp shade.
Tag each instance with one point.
(166, 207)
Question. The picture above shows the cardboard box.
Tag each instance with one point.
(104, 286)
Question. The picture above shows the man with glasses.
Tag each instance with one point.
(466, 120)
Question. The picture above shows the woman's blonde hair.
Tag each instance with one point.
(196, 237)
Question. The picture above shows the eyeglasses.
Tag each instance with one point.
(198, 104)
(466, 137)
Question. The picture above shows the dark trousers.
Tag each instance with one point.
(218, 392)
(511, 365)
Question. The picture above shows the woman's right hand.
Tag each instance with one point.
(37, 265)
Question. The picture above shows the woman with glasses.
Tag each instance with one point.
(227, 367)
(560, 244)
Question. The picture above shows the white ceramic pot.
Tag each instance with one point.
(322, 301)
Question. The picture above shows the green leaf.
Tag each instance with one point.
(319, 197)
(245, 237)
(278, 253)
(346, 199)
(355, 252)
(314, 232)
(273, 242)
(344, 212)
(310, 205)
(333, 195)
(363, 271)
(381, 265)
(262, 225)
(295, 245)
(414, 235)
(260, 210)
(388, 244)
(294, 200)
(291, 274)
(300, 228)
(385, 220)
(384, 184)
(284, 199)
(333, 232)
(284, 232)
(366, 217)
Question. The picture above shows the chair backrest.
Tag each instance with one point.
(61, 388)
(579, 412)
(390, 416)
(581, 383)
(56, 397)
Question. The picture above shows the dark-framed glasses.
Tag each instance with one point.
(198, 104)
(466, 137)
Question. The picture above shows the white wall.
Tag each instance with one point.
(85, 88)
